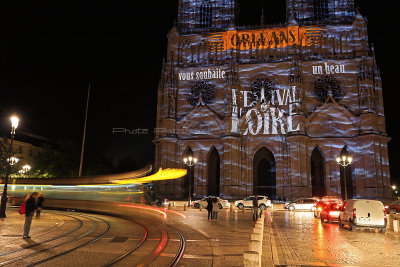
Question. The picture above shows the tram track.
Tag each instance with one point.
(182, 245)
(80, 223)
(153, 252)
(88, 232)
(98, 237)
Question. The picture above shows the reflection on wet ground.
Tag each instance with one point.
(325, 243)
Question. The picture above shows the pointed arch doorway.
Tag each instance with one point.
(317, 173)
(213, 169)
(264, 173)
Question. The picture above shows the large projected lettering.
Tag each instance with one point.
(268, 38)
(268, 115)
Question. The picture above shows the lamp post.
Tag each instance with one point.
(10, 161)
(190, 162)
(26, 168)
(344, 161)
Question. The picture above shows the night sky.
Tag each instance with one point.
(51, 50)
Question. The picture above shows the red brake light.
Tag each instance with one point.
(354, 213)
(384, 214)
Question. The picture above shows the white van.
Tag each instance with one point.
(358, 213)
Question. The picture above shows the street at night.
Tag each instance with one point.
(199, 133)
(158, 237)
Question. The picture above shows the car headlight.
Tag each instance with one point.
(236, 203)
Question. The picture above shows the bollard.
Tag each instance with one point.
(256, 245)
(257, 231)
(396, 226)
(258, 237)
(258, 225)
(200, 207)
(251, 259)
(184, 207)
(169, 206)
(173, 203)
(231, 208)
(243, 210)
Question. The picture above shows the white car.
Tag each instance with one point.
(263, 202)
(363, 213)
(203, 202)
(302, 204)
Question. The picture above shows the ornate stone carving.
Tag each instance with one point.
(326, 85)
(202, 89)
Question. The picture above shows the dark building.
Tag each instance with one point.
(267, 109)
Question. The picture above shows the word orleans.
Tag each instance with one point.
(202, 75)
(265, 38)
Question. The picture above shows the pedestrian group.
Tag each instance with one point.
(212, 209)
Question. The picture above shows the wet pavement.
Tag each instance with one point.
(297, 238)
(290, 238)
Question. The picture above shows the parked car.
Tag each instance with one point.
(330, 212)
(302, 204)
(222, 203)
(263, 202)
(358, 213)
(394, 207)
(159, 201)
(326, 201)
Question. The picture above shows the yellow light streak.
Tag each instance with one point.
(161, 175)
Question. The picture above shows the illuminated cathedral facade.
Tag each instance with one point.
(267, 109)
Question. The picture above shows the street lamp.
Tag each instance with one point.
(26, 168)
(10, 161)
(344, 161)
(190, 162)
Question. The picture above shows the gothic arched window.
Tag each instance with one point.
(205, 14)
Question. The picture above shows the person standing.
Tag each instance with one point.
(39, 208)
(255, 208)
(30, 210)
(209, 208)
(215, 209)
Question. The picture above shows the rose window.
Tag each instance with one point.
(328, 85)
(203, 89)
(261, 87)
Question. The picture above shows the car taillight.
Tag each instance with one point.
(354, 213)
(384, 214)
(319, 209)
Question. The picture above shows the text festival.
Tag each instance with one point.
(268, 118)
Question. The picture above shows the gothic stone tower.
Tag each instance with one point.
(267, 109)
